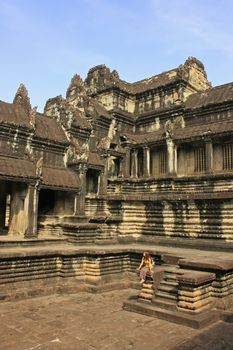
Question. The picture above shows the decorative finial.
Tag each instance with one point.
(33, 113)
(76, 86)
(21, 98)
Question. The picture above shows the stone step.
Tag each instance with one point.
(164, 304)
(147, 291)
(170, 277)
(171, 273)
(191, 320)
(174, 270)
(148, 285)
(167, 289)
(145, 297)
(165, 295)
(169, 283)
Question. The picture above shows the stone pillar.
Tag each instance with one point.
(21, 209)
(209, 156)
(3, 195)
(126, 163)
(79, 201)
(31, 210)
(121, 165)
(134, 164)
(146, 161)
(103, 181)
(175, 159)
(162, 98)
(76, 203)
(181, 93)
(171, 153)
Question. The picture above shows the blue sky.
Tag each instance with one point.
(45, 42)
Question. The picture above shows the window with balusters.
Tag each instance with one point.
(227, 156)
(162, 162)
(199, 159)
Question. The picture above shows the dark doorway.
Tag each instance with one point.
(46, 202)
(93, 180)
(140, 162)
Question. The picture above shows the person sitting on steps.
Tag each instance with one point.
(145, 266)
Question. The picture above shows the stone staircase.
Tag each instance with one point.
(163, 302)
(167, 292)
(147, 291)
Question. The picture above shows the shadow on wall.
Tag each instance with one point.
(211, 221)
(187, 219)
(154, 219)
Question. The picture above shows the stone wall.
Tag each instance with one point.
(29, 275)
(185, 218)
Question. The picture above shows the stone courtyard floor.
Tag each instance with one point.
(97, 321)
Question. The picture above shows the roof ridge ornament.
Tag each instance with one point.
(21, 98)
(33, 113)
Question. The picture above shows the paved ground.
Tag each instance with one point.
(97, 322)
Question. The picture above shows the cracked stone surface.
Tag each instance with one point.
(97, 321)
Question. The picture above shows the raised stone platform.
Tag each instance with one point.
(192, 290)
(194, 321)
(196, 283)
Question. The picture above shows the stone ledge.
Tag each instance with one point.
(170, 259)
(13, 242)
(196, 278)
(167, 196)
(25, 289)
(210, 265)
(187, 243)
(81, 225)
(178, 178)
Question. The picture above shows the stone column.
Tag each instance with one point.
(209, 156)
(181, 93)
(134, 164)
(103, 180)
(3, 195)
(126, 163)
(175, 160)
(121, 165)
(146, 161)
(23, 210)
(171, 153)
(76, 203)
(162, 98)
(79, 201)
(31, 210)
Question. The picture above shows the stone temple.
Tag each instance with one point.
(114, 169)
